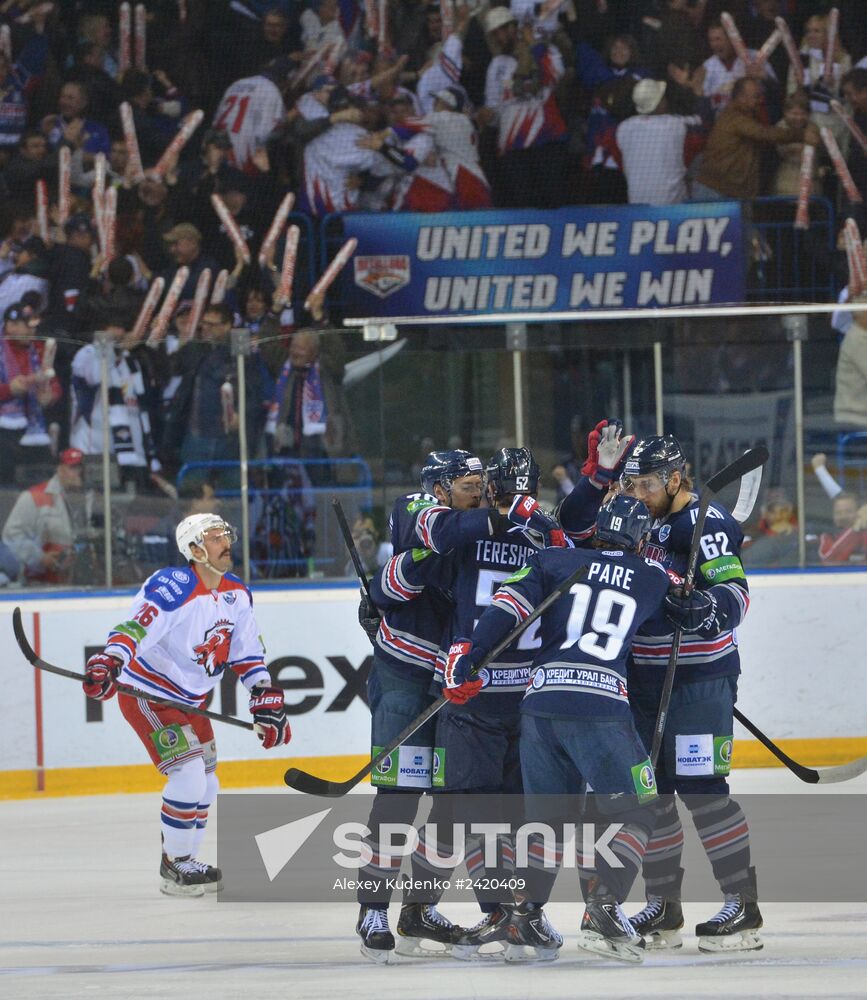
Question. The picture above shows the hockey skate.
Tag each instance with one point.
(531, 936)
(213, 875)
(492, 928)
(606, 930)
(183, 876)
(377, 941)
(659, 923)
(736, 926)
(421, 924)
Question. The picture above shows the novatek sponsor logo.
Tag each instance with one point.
(383, 275)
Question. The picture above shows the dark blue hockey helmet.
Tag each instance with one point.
(623, 520)
(511, 471)
(444, 467)
(661, 455)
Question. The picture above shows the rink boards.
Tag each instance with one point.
(803, 684)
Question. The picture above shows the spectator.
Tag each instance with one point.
(71, 128)
(25, 391)
(251, 109)
(777, 545)
(855, 90)
(69, 274)
(652, 144)
(308, 416)
(152, 131)
(129, 417)
(457, 144)
(33, 162)
(850, 395)
(30, 274)
(823, 83)
(759, 26)
(732, 158)
(796, 115)
(444, 69)
(520, 100)
(335, 160)
(185, 246)
(39, 528)
(320, 25)
(198, 427)
(96, 28)
(103, 89)
(718, 74)
(16, 82)
(848, 543)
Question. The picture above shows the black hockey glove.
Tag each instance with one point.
(696, 613)
(368, 618)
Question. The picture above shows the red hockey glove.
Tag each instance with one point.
(100, 677)
(592, 460)
(269, 717)
(458, 684)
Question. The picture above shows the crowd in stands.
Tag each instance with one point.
(372, 105)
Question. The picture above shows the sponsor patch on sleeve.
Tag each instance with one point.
(722, 568)
(519, 575)
(419, 554)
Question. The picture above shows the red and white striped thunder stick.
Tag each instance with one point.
(140, 36)
(791, 50)
(805, 186)
(147, 308)
(182, 137)
(231, 226)
(382, 26)
(46, 365)
(220, 286)
(98, 196)
(42, 209)
(849, 122)
(64, 185)
(738, 44)
(110, 223)
(287, 274)
(276, 227)
(333, 269)
(124, 51)
(857, 260)
(855, 285)
(131, 140)
(549, 8)
(161, 323)
(200, 300)
(371, 18)
(447, 17)
(227, 401)
(6, 41)
(831, 42)
(852, 192)
(335, 54)
(770, 46)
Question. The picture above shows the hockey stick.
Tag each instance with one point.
(350, 546)
(811, 775)
(40, 664)
(752, 459)
(302, 781)
(749, 490)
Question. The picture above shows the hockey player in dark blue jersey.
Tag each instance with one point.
(696, 751)
(412, 593)
(479, 742)
(577, 727)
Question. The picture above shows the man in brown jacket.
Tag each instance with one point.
(730, 168)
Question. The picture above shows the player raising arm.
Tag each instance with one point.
(188, 624)
(576, 726)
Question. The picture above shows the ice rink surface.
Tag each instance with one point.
(81, 916)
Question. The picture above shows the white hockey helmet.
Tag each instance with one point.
(191, 531)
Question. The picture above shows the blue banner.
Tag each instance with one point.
(585, 257)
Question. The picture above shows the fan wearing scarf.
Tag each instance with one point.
(25, 392)
(128, 417)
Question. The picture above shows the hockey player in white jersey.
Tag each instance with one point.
(188, 624)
